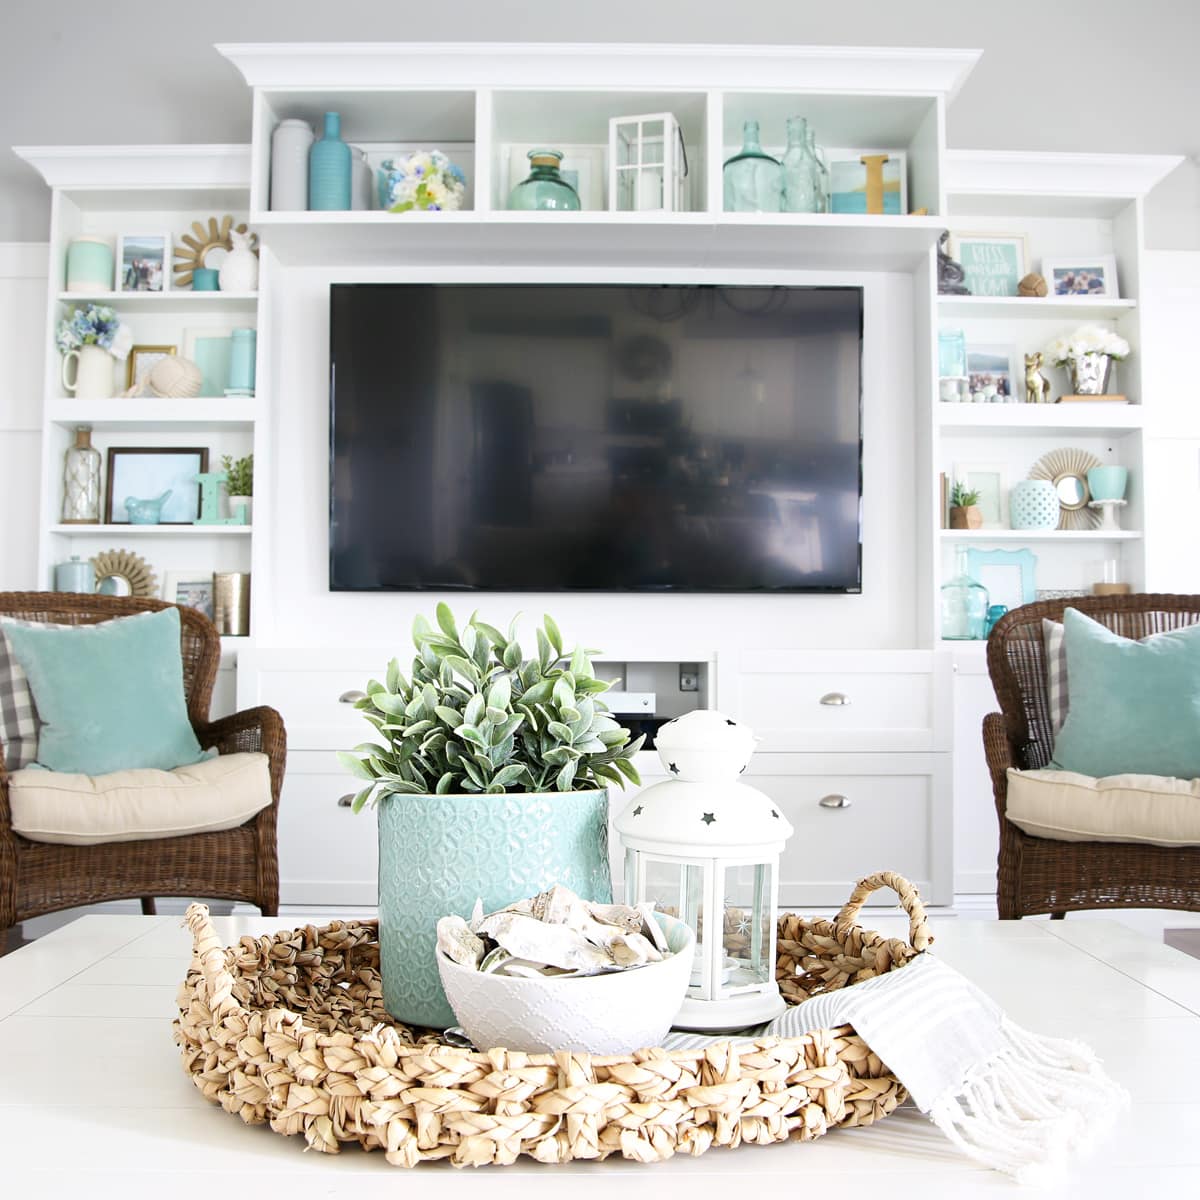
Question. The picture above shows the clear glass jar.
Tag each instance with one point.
(964, 604)
(801, 171)
(753, 179)
(545, 189)
(81, 481)
(822, 170)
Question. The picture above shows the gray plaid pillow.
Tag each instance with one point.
(1055, 647)
(18, 714)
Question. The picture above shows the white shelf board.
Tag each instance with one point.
(156, 416)
(139, 531)
(798, 240)
(1074, 307)
(1022, 420)
(184, 300)
(1040, 535)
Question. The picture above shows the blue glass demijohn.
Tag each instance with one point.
(329, 169)
(753, 179)
(544, 189)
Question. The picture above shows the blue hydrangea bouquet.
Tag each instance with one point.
(425, 180)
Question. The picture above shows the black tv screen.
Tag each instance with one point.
(595, 437)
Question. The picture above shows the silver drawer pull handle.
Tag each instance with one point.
(346, 801)
(835, 699)
(351, 697)
(834, 801)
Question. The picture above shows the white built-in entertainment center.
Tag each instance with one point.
(868, 721)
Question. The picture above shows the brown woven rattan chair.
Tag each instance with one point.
(235, 864)
(1037, 875)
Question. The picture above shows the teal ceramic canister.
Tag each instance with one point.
(439, 854)
(90, 265)
(329, 169)
(206, 279)
(1033, 504)
(75, 575)
(242, 347)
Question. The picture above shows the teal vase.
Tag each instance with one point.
(545, 188)
(753, 179)
(439, 854)
(329, 169)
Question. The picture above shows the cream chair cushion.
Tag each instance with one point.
(133, 806)
(1068, 807)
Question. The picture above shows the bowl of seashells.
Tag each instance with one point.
(560, 973)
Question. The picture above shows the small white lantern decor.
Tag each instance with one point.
(647, 164)
(706, 847)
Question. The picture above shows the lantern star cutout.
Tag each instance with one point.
(708, 818)
(774, 813)
(637, 812)
(673, 769)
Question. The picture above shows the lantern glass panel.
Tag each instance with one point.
(747, 927)
(678, 889)
(627, 145)
(625, 191)
(650, 197)
(652, 142)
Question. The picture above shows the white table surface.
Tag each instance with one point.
(94, 1101)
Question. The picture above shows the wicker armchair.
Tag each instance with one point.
(236, 864)
(1037, 875)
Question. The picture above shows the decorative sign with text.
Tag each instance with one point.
(994, 264)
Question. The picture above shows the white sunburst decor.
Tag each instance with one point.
(1067, 468)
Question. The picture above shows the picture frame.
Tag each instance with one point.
(1082, 275)
(995, 365)
(990, 480)
(143, 262)
(144, 472)
(583, 167)
(141, 361)
(993, 263)
(209, 347)
(848, 179)
(191, 588)
(1010, 576)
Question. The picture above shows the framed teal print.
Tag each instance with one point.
(1010, 576)
(209, 347)
(993, 263)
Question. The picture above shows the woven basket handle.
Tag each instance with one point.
(918, 927)
(210, 956)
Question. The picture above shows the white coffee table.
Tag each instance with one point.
(94, 1102)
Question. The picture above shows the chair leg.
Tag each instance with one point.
(1057, 916)
(148, 908)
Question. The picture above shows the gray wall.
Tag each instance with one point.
(1098, 75)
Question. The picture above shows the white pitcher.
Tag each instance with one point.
(93, 373)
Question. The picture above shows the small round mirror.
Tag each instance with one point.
(1072, 491)
(114, 585)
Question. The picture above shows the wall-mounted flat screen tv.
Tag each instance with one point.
(595, 437)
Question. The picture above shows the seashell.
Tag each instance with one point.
(456, 941)
(556, 945)
(652, 929)
(493, 959)
(622, 915)
(633, 950)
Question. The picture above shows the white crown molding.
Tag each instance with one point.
(1051, 173)
(882, 70)
(180, 166)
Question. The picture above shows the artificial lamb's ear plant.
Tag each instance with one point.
(479, 717)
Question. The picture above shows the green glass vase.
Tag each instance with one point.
(802, 183)
(544, 189)
(753, 179)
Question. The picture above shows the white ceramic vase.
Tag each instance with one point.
(239, 271)
(290, 144)
(93, 373)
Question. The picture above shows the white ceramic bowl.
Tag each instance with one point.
(601, 1014)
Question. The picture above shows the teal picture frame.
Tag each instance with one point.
(1010, 576)
(993, 263)
(210, 349)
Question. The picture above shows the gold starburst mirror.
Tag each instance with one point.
(123, 573)
(206, 246)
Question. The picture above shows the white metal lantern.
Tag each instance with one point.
(707, 847)
(647, 164)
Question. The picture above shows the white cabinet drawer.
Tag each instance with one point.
(328, 855)
(881, 812)
(889, 701)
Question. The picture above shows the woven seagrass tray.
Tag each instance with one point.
(291, 1030)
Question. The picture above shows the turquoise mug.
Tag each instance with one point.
(1107, 483)
(206, 279)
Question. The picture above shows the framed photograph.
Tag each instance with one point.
(143, 262)
(1008, 575)
(141, 362)
(993, 262)
(582, 167)
(208, 346)
(850, 181)
(998, 367)
(146, 472)
(990, 480)
(1082, 275)
(191, 588)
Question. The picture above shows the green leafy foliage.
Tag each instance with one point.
(477, 716)
(240, 474)
(963, 497)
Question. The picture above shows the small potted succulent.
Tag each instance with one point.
(490, 781)
(239, 483)
(964, 510)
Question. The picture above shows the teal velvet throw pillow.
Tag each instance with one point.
(1134, 706)
(109, 696)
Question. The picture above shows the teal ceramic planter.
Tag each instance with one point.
(438, 854)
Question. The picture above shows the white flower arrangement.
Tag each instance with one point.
(425, 180)
(1087, 339)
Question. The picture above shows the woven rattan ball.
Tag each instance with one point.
(175, 377)
(1032, 285)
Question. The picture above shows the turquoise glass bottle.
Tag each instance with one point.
(329, 169)
(753, 179)
(545, 188)
(802, 191)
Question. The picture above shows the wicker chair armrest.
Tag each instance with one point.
(256, 729)
(1000, 754)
